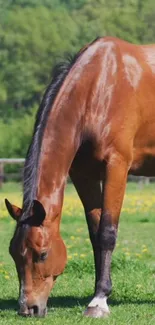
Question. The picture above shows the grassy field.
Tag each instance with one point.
(133, 267)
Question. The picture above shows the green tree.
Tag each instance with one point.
(31, 41)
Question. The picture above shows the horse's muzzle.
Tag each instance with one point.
(33, 311)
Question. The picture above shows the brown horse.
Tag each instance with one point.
(97, 123)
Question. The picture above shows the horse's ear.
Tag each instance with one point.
(13, 210)
(38, 212)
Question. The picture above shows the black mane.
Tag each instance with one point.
(60, 72)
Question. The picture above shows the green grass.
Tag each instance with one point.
(133, 267)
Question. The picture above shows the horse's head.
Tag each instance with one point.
(40, 256)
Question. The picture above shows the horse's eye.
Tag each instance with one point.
(39, 258)
(43, 256)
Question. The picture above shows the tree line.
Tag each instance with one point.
(36, 34)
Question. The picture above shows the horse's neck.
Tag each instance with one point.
(60, 142)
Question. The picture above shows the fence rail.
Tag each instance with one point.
(11, 160)
(4, 161)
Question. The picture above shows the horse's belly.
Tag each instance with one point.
(143, 162)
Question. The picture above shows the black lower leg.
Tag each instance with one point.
(93, 233)
(106, 239)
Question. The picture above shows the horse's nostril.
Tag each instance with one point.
(35, 310)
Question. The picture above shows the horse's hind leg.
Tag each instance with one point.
(90, 194)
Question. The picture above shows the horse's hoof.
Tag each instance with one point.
(96, 312)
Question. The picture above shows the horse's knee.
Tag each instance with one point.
(93, 219)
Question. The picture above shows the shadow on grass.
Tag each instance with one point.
(129, 301)
(69, 301)
(72, 301)
(8, 304)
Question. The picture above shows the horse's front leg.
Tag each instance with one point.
(116, 176)
(90, 193)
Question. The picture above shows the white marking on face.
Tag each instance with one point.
(133, 70)
(100, 302)
(24, 252)
(22, 299)
(150, 57)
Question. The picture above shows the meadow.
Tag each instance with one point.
(133, 266)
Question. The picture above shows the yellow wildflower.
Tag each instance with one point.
(69, 257)
(6, 277)
(127, 253)
(145, 250)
